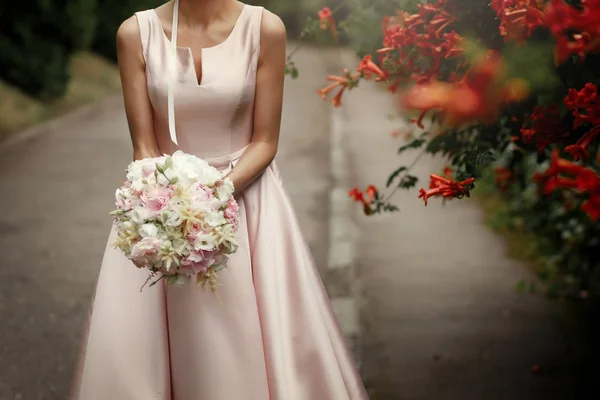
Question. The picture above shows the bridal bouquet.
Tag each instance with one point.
(176, 216)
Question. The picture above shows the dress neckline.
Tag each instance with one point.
(231, 34)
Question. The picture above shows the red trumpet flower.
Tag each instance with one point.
(367, 67)
(518, 18)
(359, 197)
(544, 127)
(579, 149)
(584, 104)
(478, 96)
(343, 82)
(575, 28)
(445, 187)
(578, 177)
(326, 20)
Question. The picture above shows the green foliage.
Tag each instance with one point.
(299, 16)
(408, 181)
(558, 232)
(542, 78)
(414, 144)
(560, 239)
(38, 40)
(110, 16)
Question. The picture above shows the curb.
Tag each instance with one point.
(343, 234)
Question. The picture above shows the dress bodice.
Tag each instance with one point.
(213, 117)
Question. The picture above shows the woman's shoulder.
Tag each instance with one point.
(128, 33)
(272, 28)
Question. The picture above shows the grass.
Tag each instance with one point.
(93, 78)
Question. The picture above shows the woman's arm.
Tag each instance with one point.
(132, 68)
(268, 102)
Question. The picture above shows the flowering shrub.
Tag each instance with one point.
(509, 86)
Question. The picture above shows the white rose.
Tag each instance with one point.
(148, 230)
(205, 241)
(127, 226)
(135, 170)
(215, 218)
(139, 215)
(137, 184)
(181, 246)
(123, 193)
(210, 175)
(172, 217)
(225, 190)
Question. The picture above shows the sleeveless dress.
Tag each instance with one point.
(275, 336)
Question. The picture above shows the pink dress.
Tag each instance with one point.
(276, 336)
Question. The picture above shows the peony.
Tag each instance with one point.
(225, 189)
(210, 176)
(148, 230)
(144, 248)
(205, 241)
(232, 210)
(172, 217)
(140, 215)
(215, 218)
(156, 197)
(142, 168)
(124, 198)
(138, 185)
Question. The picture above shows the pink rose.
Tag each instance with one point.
(232, 211)
(148, 170)
(193, 229)
(156, 198)
(124, 204)
(197, 262)
(203, 191)
(203, 197)
(145, 248)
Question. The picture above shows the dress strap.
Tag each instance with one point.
(255, 22)
(144, 20)
(172, 62)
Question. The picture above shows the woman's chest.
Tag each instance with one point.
(228, 79)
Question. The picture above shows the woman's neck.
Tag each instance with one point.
(203, 12)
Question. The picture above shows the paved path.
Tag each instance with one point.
(440, 318)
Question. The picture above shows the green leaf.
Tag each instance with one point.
(484, 158)
(291, 70)
(415, 144)
(395, 174)
(408, 181)
(171, 279)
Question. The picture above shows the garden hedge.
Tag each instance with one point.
(111, 13)
(38, 39)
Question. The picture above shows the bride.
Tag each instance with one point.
(206, 77)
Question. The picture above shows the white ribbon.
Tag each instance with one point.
(172, 61)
